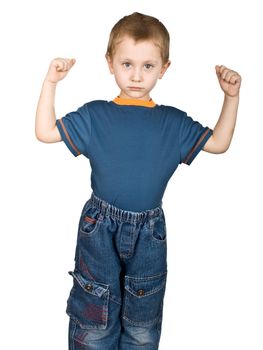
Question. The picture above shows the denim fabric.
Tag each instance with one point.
(119, 280)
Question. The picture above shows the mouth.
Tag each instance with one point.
(135, 88)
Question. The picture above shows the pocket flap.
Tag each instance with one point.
(88, 302)
(90, 286)
(144, 286)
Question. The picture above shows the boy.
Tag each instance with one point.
(134, 146)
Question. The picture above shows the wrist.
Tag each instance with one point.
(231, 98)
(49, 82)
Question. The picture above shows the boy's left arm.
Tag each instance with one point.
(230, 82)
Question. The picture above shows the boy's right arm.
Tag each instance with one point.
(45, 125)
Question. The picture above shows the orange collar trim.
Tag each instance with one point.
(132, 102)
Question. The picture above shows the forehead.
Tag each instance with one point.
(143, 49)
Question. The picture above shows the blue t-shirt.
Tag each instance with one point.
(133, 147)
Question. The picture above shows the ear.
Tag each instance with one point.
(109, 61)
(164, 69)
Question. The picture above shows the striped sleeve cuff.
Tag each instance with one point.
(66, 138)
(198, 146)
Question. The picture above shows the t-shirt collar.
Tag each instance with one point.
(133, 102)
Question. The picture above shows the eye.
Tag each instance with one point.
(148, 66)
(126, 65)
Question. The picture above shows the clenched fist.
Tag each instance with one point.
(58, 69)
(229, 80)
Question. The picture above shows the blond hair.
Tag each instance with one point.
(140, 27)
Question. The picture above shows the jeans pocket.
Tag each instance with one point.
(88, 302)
(143, 301)
(90, 220)
(157, 226)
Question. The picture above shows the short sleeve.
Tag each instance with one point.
(75, 130)
(193, 137)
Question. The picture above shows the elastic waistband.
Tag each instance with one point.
(124, 215)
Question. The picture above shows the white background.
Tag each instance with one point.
(213, 208)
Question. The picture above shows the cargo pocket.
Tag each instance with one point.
(143, 302)
(88, 302)
(90, 220)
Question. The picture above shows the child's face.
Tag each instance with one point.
(136, 67)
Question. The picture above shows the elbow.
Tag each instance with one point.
(217, 146)
(39, 136)
(222, 149)
(48, 137)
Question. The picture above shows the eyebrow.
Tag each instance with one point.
(130, 60)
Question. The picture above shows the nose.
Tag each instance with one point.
(136, 75)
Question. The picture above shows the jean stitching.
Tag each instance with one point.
(93, 231)
(72, 334)
(149, 278)
(114, 300)
(153, 291)
(142, 323)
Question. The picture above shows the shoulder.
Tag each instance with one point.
(95, 106)
(171, 112)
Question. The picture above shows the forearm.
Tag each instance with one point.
(230, 82)
(224, 129)
(45, 115)
(225, 126)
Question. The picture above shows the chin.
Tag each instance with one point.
(137, 95)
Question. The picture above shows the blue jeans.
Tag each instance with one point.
(116, 302)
